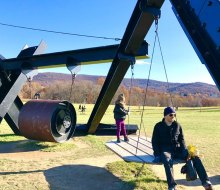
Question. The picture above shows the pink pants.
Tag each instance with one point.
(120, 128)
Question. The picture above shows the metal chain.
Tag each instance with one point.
(73, 75)
(30, 86)
(145, 97)
(130, 90)
(165, 70)
(146, 89)
(29, 82)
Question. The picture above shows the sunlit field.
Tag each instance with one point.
(201, 127)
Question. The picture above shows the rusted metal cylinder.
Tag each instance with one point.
(47, 120)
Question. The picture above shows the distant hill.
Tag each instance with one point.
(178, 88)
(48, 77)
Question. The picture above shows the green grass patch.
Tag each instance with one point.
(6, 138)
(96, 147)
(94, 142)
(47, 146)
(127, 173)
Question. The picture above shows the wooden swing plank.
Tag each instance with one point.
(130, 152)
(142, 143)
(138, 149)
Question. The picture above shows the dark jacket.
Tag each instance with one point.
(119, 112)
(167, 138)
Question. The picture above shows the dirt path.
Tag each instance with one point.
(20, 169)
(80, 174)
(55, 171)
(180, 178)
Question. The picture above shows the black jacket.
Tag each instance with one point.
(167, 138)
(119, 112)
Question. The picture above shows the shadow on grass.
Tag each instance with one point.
(79, 177)
(84, 177)
(10, 143)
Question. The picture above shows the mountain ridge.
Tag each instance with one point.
(178, 88)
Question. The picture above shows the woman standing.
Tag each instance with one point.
(120, 115)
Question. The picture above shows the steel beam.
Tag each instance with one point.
(200, 22)
(15, 71)
(11, 84)
(10, 112)
(138, 26)
(61, 59)
(11, 116)
(9, 92)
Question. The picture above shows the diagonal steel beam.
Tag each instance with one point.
(9, 95)
(202, 32)
(141, 20)
(11, 84)
(11, 116)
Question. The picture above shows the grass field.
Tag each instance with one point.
(201, 127)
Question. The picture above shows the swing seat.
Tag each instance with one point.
(138, 149)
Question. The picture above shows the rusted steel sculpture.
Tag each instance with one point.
(55, 122)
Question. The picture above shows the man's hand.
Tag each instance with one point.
(128, 109)
(183, 169)
(157, 159)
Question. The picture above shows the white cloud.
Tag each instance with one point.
(141, 62)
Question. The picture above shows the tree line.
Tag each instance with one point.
(87, 92)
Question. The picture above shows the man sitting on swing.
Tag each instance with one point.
(168, 143)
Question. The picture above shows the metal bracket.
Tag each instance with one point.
(127, 58)
(35, 50)
(74, 69)
(30, 73)
(150, 9)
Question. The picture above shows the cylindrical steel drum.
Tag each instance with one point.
(47, 120)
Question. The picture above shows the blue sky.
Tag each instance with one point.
(98, 18)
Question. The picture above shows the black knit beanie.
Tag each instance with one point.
(168, 110)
